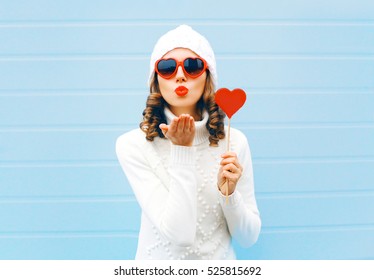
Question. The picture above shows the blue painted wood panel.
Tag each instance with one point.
(68, 215)
(122, 38)
(70, 246)
(335, 244)
(82, 10)
(74, 77)
(87, 73)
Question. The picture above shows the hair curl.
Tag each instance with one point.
(153, 114)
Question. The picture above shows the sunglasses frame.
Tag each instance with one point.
(181, 63)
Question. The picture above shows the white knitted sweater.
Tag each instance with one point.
(184, 216)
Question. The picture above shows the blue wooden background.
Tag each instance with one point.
(73, 78)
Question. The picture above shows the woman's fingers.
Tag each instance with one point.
(192, 124)
(231, 168)
(174, 125)
(187, 124)
(181, 130)
(231, 176)
(230, 171)
(180, 125)
(228, 154)
(183, 123)
(231, 158)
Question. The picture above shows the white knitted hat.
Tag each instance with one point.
(184, 37)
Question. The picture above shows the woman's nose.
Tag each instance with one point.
(180, 76)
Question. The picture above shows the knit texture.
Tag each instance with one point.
(184, 216)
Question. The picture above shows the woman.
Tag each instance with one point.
(177, 164)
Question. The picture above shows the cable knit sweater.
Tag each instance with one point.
(184, 215)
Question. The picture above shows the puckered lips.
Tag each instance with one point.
(181, 91)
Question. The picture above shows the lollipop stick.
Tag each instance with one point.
(228, 149)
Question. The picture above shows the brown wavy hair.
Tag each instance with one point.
(153, 114)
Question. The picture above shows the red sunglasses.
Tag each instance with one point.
(192, 66)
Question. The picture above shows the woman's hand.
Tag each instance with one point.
(230, 170)
(181, 131)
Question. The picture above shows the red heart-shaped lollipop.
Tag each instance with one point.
(230, 101)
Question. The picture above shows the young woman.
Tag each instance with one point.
(177, 164)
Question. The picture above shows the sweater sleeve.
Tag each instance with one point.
(172, 208)
(241, 211)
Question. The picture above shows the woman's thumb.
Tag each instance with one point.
(164, 128)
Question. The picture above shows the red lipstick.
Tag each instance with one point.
(181, 91)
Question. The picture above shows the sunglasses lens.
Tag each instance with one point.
(166, 67)
(194, 66)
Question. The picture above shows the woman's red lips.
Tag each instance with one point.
(181, 91)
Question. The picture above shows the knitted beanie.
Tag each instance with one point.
(184, 37)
